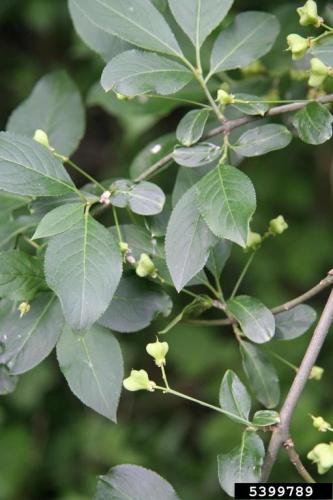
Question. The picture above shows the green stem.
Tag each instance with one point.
(32, 243)
(80, 171)
(167, 390)
(323, 35)
(165, 378)
(242, 275)
(284, 361)
(226, 146)
(217, 293)
(213, 104)
(329, 28)
(116, 221)
(191, 294)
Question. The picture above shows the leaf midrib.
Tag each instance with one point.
(237, 46)
(108, 7)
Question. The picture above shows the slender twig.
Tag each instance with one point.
(209, 322)
(242, 275)
(326, 282)
(281, 433)
(296, 461)
(229, 125)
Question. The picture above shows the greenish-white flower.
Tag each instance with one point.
(139, 381)
(316, 373)
(254, 240)
(278, 225)
(319, 72)
(322, 455)
(41, 137)
(146, 266)
(224, 98)
(320, 424)
(158, 350)
(308, 14)
(298, 46)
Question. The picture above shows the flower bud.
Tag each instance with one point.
(130, 259)
(278, 225)
(253, 241)
(105, 198)
(146, 266)
(316, 373)
(158, 350)
(224, 98)
(319, 71)
(23, 308)
(42, 138)
(139, 381)
(309, 14)
(124, 248)
(322, 455)
(297, 45)
(320, 424)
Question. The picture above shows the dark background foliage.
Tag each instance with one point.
(51, 447)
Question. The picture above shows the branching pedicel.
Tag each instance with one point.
(67, 289)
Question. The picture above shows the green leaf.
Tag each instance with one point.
(59, 220)
(191, 126)
(227, 201)
(10, 231)
(218, 257)
(83, 266)
(30, 339)
(135, 21)
(158, 223)
(197, 155)
(243, 464)
(21, 275)
(256, 320)
(135, 73)
(152, 153)
(234, 396)
(264, 418)
(261, 374)
(186, 178)
(7, 381)
(254, 108)
(132, 482)
(9, 203)
(198, 18)
(93, 367)
(144, 198)
(42, 206)
(314, 123)
(323, 49)
(292, 324)
(135, 305)
(55, 106)
(105, 44)
(188, 241)
(261, 140)
(28, 168)
(250, 37)
(139, 239)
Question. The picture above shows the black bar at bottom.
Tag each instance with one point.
(283, 491)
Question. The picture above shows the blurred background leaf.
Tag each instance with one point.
(54, 448)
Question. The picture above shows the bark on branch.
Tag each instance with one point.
(229, 125)
(281, 434)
